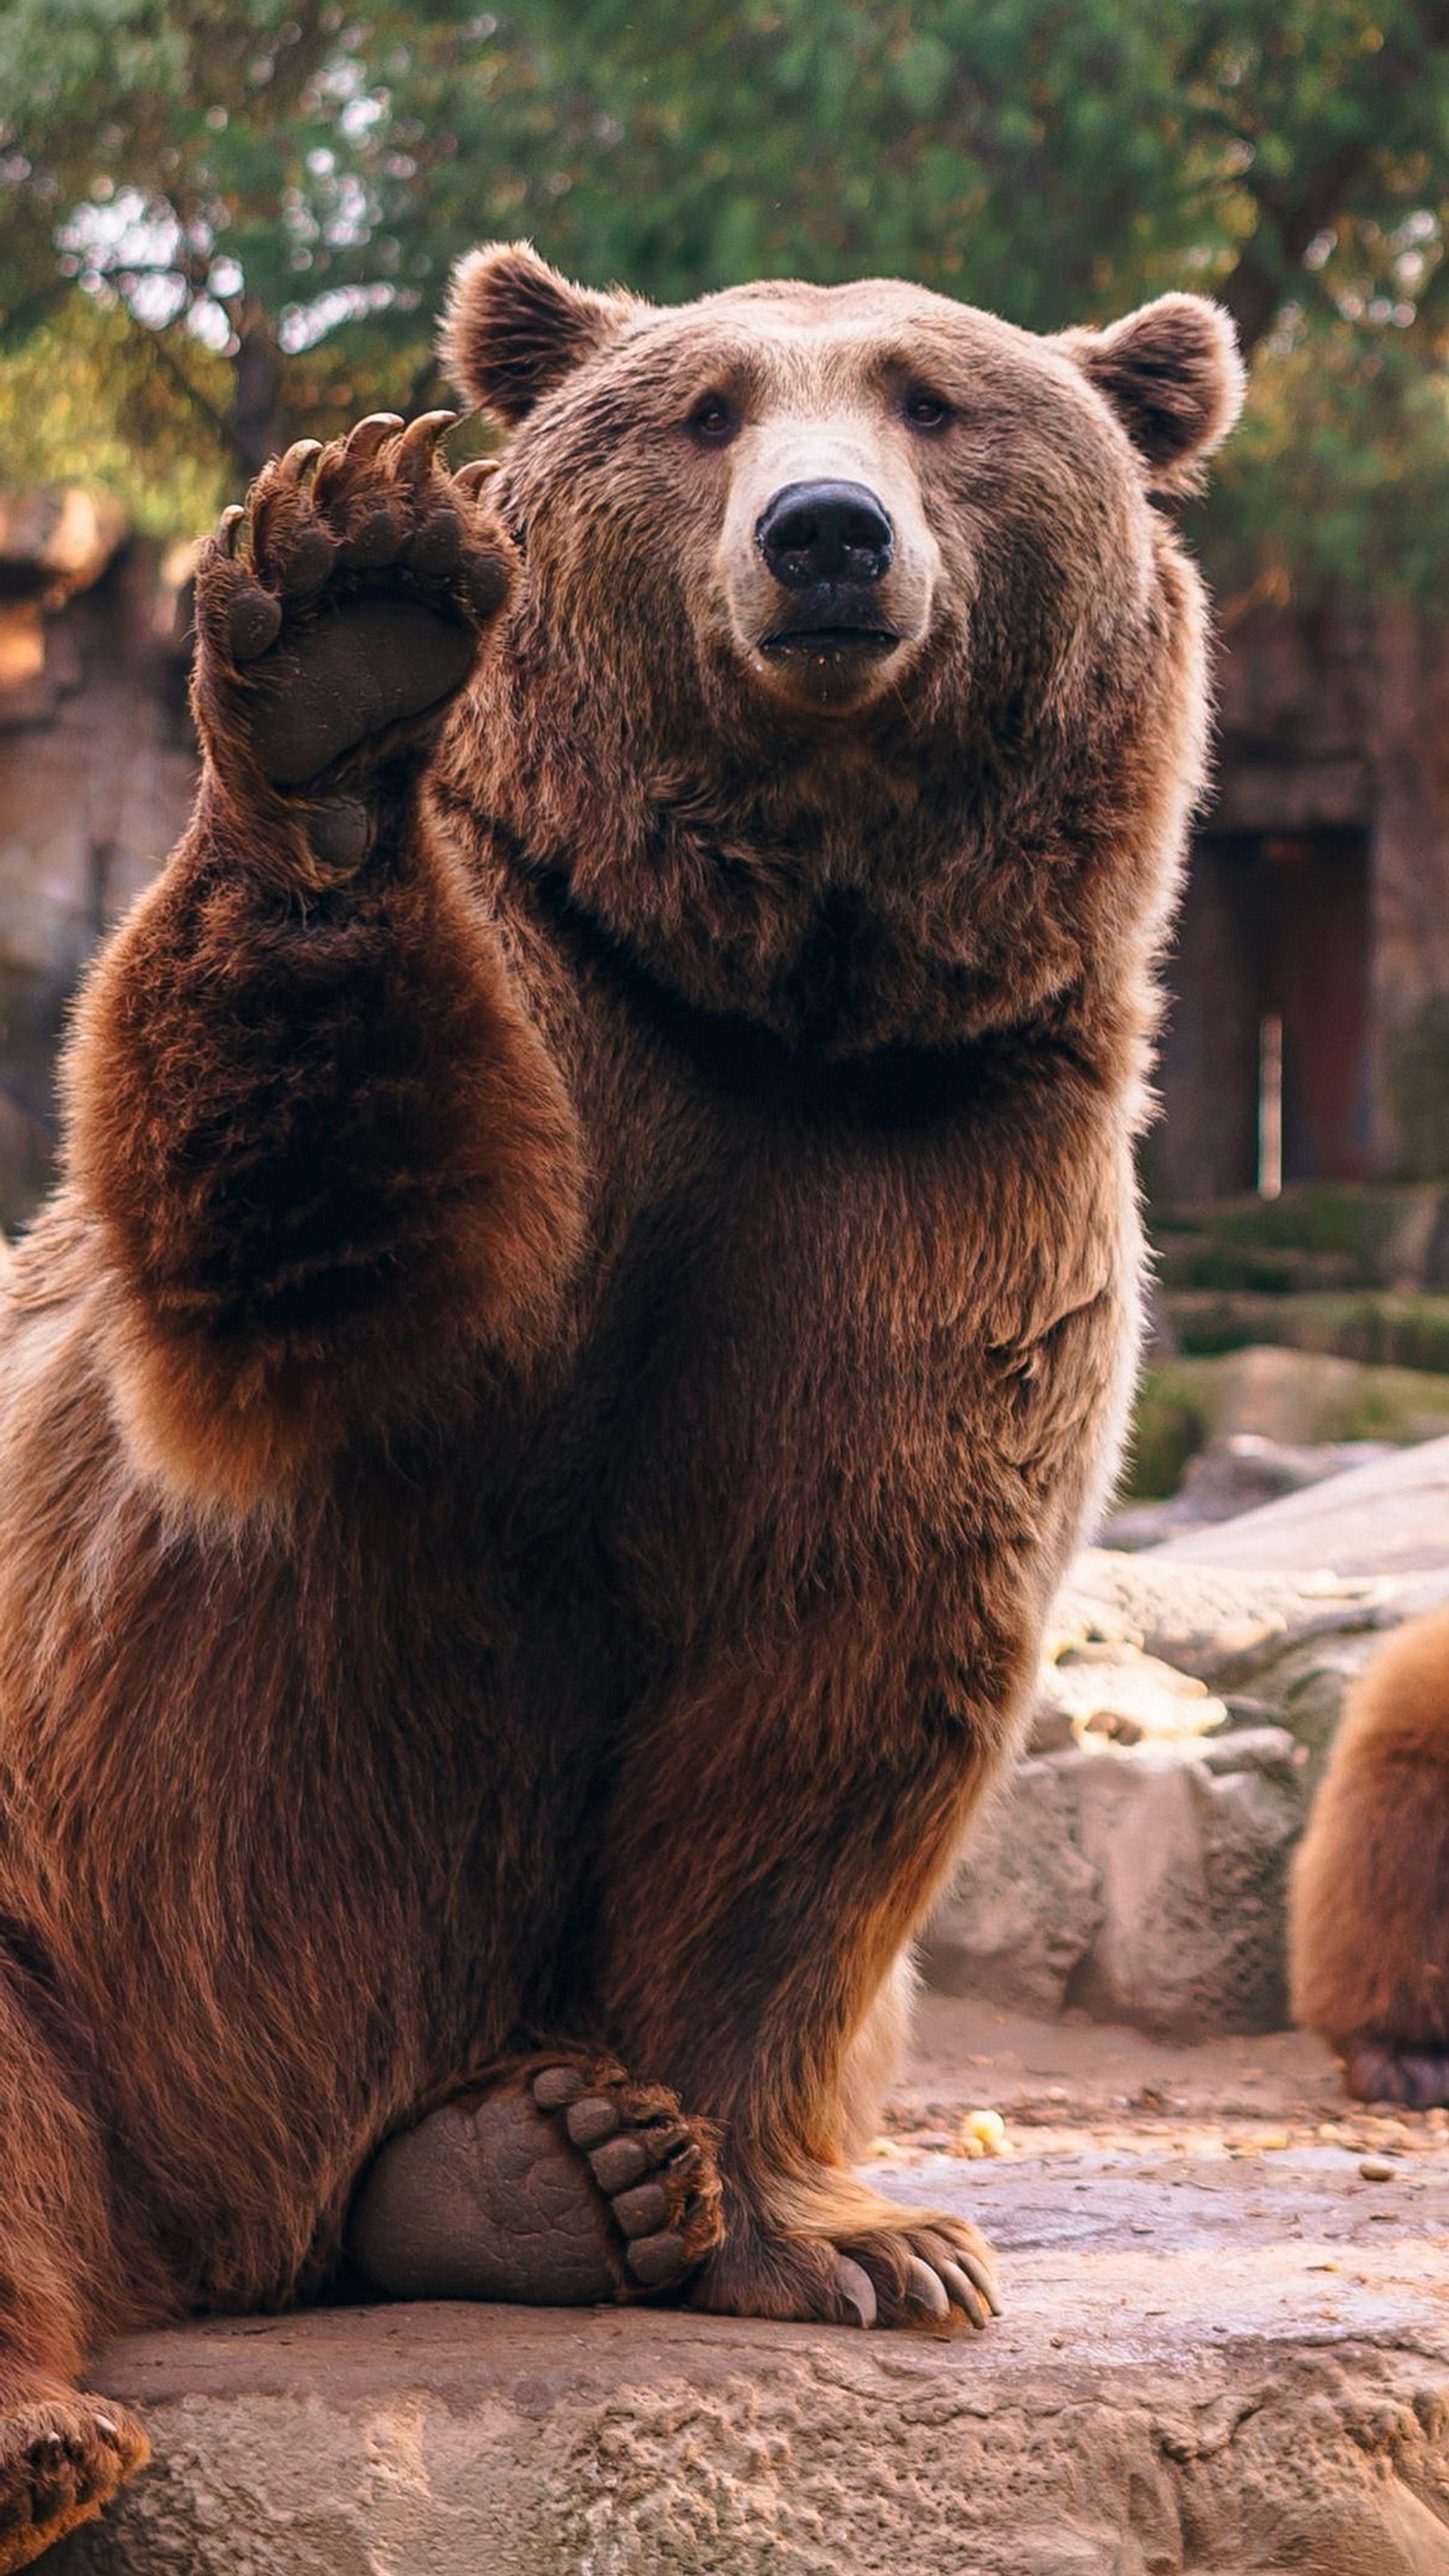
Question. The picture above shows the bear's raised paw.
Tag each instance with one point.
(338, 612)
(561, 2184)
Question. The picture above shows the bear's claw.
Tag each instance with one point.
(61, 2460)
(561, 2184)
(366, 436)
(933, 2274)
(856, 2288)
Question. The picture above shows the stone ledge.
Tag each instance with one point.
(1234, 2370)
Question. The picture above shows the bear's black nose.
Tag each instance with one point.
(818, 532)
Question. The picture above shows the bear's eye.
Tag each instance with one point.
(713, 421)
(925, 410)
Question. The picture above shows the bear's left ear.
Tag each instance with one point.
(1173, 376)
(514, 328)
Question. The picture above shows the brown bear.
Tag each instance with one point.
(1369, 1909)
(594, 1289)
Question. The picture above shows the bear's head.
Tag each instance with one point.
(854, 678)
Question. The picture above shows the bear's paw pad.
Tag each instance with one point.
(342, 604)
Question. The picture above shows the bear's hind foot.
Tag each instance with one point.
(1385, 2070)
(63, 2455)
(560, 2184)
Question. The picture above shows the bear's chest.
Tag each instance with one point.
(840, 1349)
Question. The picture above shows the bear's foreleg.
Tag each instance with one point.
(330, 1153)
(773, 1844)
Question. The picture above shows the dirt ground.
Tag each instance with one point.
(1076, 2086)
(1228, 2188)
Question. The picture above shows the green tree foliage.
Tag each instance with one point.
(228, 220)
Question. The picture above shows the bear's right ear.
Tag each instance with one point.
(1174, 378)
(514, 328)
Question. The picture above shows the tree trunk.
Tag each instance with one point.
(255, 423)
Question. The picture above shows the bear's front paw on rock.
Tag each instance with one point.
(62, 2457)
(338, 613)
(915, 2268)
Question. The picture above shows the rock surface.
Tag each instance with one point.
(1191, 1850)
(1388, 1518)
(1147, 1886)
(1027, 1907)
(1137, 1864)
(1222, 1621)
(1236, 1473)
(1301, 1398)
(1225, 2352)
(1280, 1644)
(1111, 1689)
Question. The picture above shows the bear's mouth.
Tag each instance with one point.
(830, 643)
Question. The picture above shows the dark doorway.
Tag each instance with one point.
(1273, 927)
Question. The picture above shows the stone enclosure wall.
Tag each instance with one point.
(97, 767)
(1135, 1868)
(1320, 894)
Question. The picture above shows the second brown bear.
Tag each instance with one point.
(1369, 1917)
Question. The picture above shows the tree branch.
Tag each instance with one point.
(171, 366)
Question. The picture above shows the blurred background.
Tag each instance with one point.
(227, 224)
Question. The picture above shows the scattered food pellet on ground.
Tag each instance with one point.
(989, 2131)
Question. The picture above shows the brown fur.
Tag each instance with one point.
(1369, 1919)
(541, 1427)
